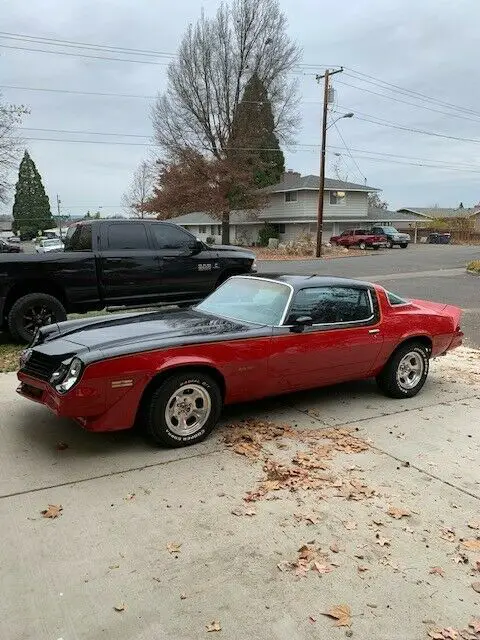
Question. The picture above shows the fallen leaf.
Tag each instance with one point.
(408, 529)
(461, 559)
(378, 523)
(114, 566)
(310, 518)
(250, 512)
(436, 634)
(183, 596)
(334, 548)
(61, 446)
(120, 607)
(237, 511)
(475, 624)
(361, 568)
(398, 512)
(383, 541)
(350, 525)
(448, 534)
(323, 568)
(474, 524)
(312, 619)
(476, 586)
(53, 511)
(284, 565)
(437, 571)
(173, 547)
(130, 496)
(477, 564)
(341, 613)
(213, 626)
(472, 545)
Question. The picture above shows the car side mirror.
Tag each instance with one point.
(196, 247)
(299, 324)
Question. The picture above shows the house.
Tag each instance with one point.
(292, 208)
(458, 219)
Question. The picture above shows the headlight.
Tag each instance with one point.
(67, 375)
(254, 265)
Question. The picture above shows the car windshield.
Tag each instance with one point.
(51, 243)
(389, 230)
(249, 300)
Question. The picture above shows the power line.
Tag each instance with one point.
(349, 152)
(413, 104)
(76, 92)
(81, 132)
(398, 89)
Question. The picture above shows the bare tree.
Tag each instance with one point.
(206, 81)
(10, 118)
(375, 202)
(136, 199)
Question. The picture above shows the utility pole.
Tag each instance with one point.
(59, 202)
(326, 75)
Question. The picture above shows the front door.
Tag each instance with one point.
(341, 345)
(128, 264)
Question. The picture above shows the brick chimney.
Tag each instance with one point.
(290, 177)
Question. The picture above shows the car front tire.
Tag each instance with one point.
(405, 373)
(403, 245)
(390, 244)
(183, 410)
(32, 311)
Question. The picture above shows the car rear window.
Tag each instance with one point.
(394, 299)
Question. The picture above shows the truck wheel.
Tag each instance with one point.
(390, 244)
(405, 373)
(183, 410)
(403, 245)
(32, 311)
(362, 245)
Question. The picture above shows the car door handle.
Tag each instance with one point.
(374, 331)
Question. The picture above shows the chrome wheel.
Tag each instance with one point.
(410, 370)
(188, 409)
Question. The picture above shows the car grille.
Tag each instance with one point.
(41, 366)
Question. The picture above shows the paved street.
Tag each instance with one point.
(435, 272)
(236, 562)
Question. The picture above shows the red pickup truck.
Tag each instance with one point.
(359, 238)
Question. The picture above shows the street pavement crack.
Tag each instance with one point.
(391, 455)
(108, 475)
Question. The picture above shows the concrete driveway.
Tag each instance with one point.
(166, 536)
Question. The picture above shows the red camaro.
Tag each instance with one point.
(252, 337)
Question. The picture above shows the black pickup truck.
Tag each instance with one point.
(112, 263)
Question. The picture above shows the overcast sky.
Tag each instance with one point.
(429, 47)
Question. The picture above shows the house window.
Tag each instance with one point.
(281, 228)
(202, 229)
(215, 229)
(338, 197)
(290, 196)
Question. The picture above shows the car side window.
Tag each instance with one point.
(80, 239)
(167, 236)
(127, 236)
(394, 299)
(332, 305)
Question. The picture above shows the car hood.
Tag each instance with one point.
(108, 336)
(228, 247)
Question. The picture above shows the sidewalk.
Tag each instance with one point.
(313, 535)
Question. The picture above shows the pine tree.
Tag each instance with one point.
(253, 133)
(31, 207)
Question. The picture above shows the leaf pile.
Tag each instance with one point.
(310, 558)
(247, 438)
(472, 632)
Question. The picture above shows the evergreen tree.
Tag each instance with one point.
(253, 132)
(31, 207)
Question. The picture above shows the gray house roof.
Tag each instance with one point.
(383, 215)
(440, 212)
(296, 182)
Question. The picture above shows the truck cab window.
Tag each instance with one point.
(79, 238)
(127, 236)
(168, 236)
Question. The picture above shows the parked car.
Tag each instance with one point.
(47, 245)
(111, 263)
(253, 337)
(14, 240)
(8, 247)
(360, 238)
(393, 236)
(439, 238)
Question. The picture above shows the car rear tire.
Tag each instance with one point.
(32, 311)
(390, 244)
(376, 247)
(183, 410)
(405, 373)
(362, 245)
(403, 245)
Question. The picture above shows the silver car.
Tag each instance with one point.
(47, 245)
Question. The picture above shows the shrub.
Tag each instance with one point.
(267, 231)
(474, 265)
(210, 240)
